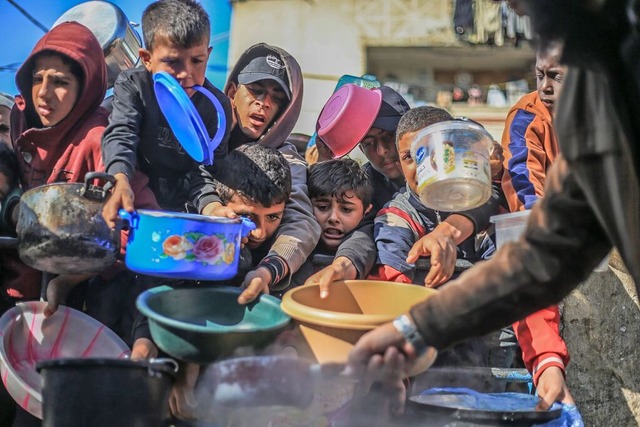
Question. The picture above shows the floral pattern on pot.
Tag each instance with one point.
(199, 247)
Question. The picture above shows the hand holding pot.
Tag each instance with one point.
(121, 197)
(255, 283)
(552, 388)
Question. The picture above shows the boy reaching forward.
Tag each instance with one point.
(341, 194)
(176, 36)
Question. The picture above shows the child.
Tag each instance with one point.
(176, 36)
(255, 181)
(57, 125)
(341, 193)
(405, 229)
(266, 87)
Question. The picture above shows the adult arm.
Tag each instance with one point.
(538, 270)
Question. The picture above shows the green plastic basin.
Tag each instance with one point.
(202, 325)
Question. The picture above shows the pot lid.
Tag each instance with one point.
(183, 118)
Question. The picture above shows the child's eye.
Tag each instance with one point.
(273, 217)
(321, 207)
(406, 157)
(347, 210)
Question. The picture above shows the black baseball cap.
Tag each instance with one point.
(267, 67)
(392, 109)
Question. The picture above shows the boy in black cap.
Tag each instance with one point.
(265, 88)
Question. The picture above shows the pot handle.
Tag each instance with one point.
(133, 218)
(247, 226)
(163, 361)
(96, 192)
(222, 119)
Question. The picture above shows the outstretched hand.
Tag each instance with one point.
(58, 289)
(443, 252)
(340, 269)
(256, 282)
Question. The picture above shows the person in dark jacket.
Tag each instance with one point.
(591, 197)
(176, 37)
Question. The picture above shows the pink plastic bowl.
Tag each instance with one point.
(347, 117)
(28, 337)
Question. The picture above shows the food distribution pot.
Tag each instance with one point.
(60, 228)
(119, 40)
(106, 392)
(184, 246)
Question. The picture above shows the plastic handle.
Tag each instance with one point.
(222, 119)
(132, 218)
(247, 226)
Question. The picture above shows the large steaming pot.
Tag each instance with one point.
(119, 40)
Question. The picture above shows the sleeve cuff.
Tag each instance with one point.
(120, 167)
(545, 361)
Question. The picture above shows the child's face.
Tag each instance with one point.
(266, 219)
(407, 163)
(338, 216)
(380, 148)
(257, 105)
(187, 65)
(54, 90)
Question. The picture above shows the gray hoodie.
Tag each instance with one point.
(299, 231)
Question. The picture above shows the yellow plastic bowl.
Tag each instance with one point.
(328, 328)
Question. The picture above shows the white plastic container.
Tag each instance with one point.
(509, 227)
(453, 169)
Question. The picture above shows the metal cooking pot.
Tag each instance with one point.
(119, 40)
(61, 230)
(106, 392)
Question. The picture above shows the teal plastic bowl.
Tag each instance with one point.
(202, 325)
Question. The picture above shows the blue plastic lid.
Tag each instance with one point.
(184, 119)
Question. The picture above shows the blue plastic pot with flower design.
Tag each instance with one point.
(184, 246)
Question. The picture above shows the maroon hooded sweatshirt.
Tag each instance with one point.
(67, 151)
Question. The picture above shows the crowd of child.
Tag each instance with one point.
(316, 224)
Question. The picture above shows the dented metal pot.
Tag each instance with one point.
(61, 230)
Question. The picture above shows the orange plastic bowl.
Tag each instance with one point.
(28, 338)
(330, 327)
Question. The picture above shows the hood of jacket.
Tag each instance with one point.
(77, 43)
(282, 127)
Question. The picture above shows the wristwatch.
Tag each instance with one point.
(408, 329)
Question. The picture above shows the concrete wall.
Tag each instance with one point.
(321, 35)
(601, 326)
